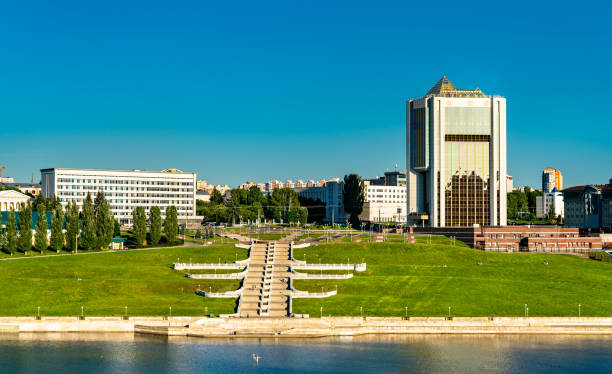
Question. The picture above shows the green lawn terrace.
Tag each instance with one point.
(415, 279)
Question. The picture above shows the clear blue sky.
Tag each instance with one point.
(287, 89)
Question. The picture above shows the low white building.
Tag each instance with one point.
(124, 189)
(11, 199)
(384, 204)
(548, 200)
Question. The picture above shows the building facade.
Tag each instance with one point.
(589, 207)
(456, 158)
(384, 203)
(124, 190)
(550, 201)
(523, 238)
(11, 200)
(551, 179)
(331, 193)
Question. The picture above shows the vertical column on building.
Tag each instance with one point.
(440, 164)
(493, 164)
(430, 122)
(502, 163)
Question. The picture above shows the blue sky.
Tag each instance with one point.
(259, 90)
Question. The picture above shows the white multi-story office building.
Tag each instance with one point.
(384, 204)
(124, 190)
(456, 157)
(550, 201)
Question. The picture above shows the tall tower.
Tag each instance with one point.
(551, 178)
(456, 158)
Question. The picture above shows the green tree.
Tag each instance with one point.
(293, 215)
(284, 199)
(10, 235)
(139, 227)
(72, 226)
(171, 224)
(57, 236)
(254, 195)
(24, 240)
(303, 216)
(88, 225)
(116, 229)
(38, 202)
(155, 222)
(353, 198)
(53, 203)
(40, 238)
(216, 197)
(239, 195)
(233, 210)
(105, 223)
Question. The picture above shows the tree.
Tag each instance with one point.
(88, 225)
(116, 229)
(40, 239)
(24, 240)
(10, 236)
(233, 209)
(284, 199)
(155, 222)
(353, 198)
(239, 195)
(293, 215)
(139, 227)
(38, 202)
(105, 223)
(303, 216)
(216, 197)
(57, 236)
(171, 224)
(254, 195)
(53, 203)
(72, 226)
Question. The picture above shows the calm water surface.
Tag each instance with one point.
(125, 353)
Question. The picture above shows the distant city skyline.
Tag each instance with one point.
(289, 91)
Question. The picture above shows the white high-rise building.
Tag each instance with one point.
(124, 189)
(456, 158)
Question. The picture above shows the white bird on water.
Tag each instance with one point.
(256, 357)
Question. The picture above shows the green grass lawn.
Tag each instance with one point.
(473, 283)
(414, 276)
(141, 280)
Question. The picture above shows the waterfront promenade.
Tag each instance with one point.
(308, 327)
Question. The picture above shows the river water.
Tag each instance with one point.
(126, 353)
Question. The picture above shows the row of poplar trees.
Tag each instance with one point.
(139, 228)
(92, 228)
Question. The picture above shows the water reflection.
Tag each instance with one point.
(128, 353)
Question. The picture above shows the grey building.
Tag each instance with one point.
(589, 207)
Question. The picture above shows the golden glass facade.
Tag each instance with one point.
(466, 178)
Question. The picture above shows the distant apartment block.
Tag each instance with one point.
(551, 179)
(124, 190)
(331, 193)
(456, 158)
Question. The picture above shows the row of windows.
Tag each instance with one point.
(121, 188)
(126, 181)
